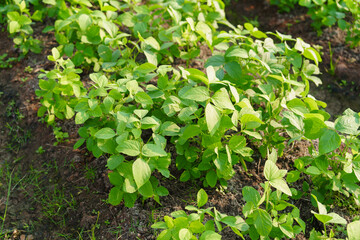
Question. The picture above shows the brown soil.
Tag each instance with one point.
(61, 193)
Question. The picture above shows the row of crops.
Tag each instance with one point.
(124, 71)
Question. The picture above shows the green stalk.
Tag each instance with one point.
(7, 203)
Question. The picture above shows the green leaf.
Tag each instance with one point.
(105, 133)
(115, 178)
(235, 222)
(259, 34)
(110, 27)
(169, 129)
(165, 235)
(153, 150)
(329, 20)
(281, 185)
(312, 54)
(353, 230)
(293, 176)
(202, 198)
(79, 143)
(162, 191)
(92, 35)
(141, 172)
(153, 43)
(305, 3)
(175, 15)
(151, 57)
(14, 27)
(129, 147)
(159, 225)
(237, 143)
(127, 19)
(81, 117)
(210, 235)
(329, 141)
(215, 61)
(324, 218)
(253, 134)
(149, 122)
(222, 100)
(146, 190)
(236, 51)
(251, 195)
(233, 69)
(115, 196)
(213, 118)
(179, 213)
(143, 98)
(312, 170)
(204, 31)
(114, 161)
(84, 21)
(262, 222)
(250, 121)
(337, 219)
(13, 16)
(189, 132)
(105, 52)
(342, 24)
(185, 234)
(146, 68)
(347, 124)
(185, 176)
(197, 75)
(55, 53)
(199, 94)
(196, 227)
(297, 106)
(314, 127)
(69, 112)
(211, 178)
(271, 171)
(287, 229)
(294, 119)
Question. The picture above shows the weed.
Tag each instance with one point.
(28, 69)
(343, 83)
(254, 22)
(60, 136)
(55, 204)
(40, 150)
(94, 227)
(18, 135)
(6, 63)
(90, 173)
(24, 79)
(3, 218)
(331, 71)
(117, 231)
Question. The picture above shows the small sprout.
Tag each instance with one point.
(40, 150)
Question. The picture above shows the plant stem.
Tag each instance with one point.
(7, 203)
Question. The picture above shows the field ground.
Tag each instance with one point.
(50, 191)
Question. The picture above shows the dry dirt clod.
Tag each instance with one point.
(30, 237)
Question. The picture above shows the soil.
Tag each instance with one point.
(55, 192)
